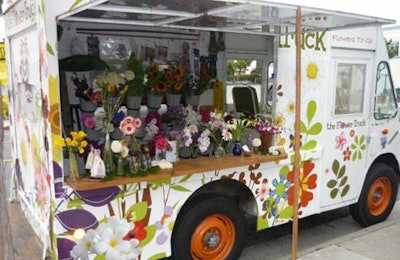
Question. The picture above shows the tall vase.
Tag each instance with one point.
(108, 156)
(237, 148)
(73, 166)
(266, 141)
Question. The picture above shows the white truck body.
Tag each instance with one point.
(349, 125)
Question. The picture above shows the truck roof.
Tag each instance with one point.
(237, 16)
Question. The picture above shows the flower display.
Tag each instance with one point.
(154, 83)
(173, 78)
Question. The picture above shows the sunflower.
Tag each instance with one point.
(178, 86)
(161, 87)
(178, 71)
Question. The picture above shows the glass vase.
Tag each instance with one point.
(219, 151)
(237, 148)
(120, 166)
(108, 156)
(73, 166)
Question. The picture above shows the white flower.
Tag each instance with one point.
(124, 152)
(256, 142)
(116, 146)
(111, 240)
(84, 246)
(164, 164)
(129, 75)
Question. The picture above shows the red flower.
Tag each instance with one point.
(346, 154)
(307, 181)
(138, 232)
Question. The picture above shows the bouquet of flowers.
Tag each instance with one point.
(136, 86)
(110, 91)
(237, 127)
(155, 84)
(173, 79)
(197, 83)
(175, 116)
(266, 125)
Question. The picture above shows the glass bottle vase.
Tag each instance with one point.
(108, 156)
(73, 166)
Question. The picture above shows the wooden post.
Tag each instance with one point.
(296, 166)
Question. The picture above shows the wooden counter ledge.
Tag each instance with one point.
(180, 168)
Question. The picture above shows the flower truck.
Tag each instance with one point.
(332, 102)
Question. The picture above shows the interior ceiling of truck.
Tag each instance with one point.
(237, 16)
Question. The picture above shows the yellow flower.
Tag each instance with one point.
(59, 141)
(291, 107)
(279, 120)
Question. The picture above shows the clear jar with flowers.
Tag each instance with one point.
(75, 144)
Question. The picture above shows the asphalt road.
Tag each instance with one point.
(314, 231)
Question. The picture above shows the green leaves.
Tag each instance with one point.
(338, 185)
(310, 129)
(358, 147)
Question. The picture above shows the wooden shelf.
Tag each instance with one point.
(183, 167)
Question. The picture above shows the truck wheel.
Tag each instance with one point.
(377, 197)
(211, 229)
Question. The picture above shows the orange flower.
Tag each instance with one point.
(179, 71)
(307, 181)
(178, 86)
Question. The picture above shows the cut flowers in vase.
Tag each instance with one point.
(266, 124)
(197, 83)
(237, 126)
(76, 143)
(110, 91)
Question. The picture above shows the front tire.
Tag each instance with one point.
(212, 228)
(377, 197)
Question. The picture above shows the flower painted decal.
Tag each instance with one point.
(307, 181)
(340, 141)
(165, 225)
(339, 183)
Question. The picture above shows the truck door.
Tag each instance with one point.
(345, 152)
(384, 125)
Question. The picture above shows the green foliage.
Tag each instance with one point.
(358, 147)
(136, 86)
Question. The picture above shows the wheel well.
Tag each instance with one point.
(226, 188)
(390, 160)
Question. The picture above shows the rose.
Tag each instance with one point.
(116, 146)
(256, 142)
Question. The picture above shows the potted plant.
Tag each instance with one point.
(175, 85)
(136, 87)
(156, 86)
(196, 84)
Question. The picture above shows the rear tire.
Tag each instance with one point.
(213, 228)
(377, 197)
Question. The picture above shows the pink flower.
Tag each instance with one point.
(137, 122)
(127, 125)
(340, 141)
(161, 143)
(88, 121)
(226, 135)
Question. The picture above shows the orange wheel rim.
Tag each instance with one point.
(379, 196)
(213, 238)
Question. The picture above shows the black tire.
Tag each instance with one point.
(377, 197)
(209, 217)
